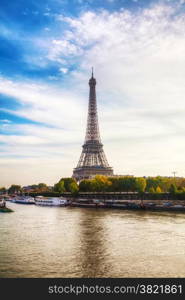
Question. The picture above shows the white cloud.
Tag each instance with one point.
(51, 77)
(61, 49)
(63, 70)
(43, 103)
(140, 69)
(5, 121)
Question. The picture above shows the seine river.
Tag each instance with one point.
(80, 242)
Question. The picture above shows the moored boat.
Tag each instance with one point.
(23, 200)
(91, 203)
(80, 204)
(3, 207)
(51, 201)
(2, 203)
(7, 197)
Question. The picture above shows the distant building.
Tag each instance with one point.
(27, 189)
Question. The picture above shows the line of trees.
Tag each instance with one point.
(17, 189)
(133, 184)
(100, 183)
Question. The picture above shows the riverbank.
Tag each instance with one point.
(5, 210)
(130, 206)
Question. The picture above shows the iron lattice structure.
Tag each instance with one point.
(92, 160)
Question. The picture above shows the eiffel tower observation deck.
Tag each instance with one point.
(92, 161)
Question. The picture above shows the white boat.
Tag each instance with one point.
(2, 203)
(7, 198)
(23, 200)
(50, 201)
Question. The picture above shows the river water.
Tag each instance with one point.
(80, 242)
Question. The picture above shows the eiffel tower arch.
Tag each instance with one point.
(92, 161)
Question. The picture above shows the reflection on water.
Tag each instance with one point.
(77, 242)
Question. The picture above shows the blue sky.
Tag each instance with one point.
(47, 49)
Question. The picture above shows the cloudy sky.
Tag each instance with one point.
(47, 48)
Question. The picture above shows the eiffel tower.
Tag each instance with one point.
(92, 161)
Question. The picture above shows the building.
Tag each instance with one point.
(92, 161)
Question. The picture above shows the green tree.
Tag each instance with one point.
(14, 189)
(59, 187)
(74, 188)
(151, 190)
(158, 190)
(140, 184)
(34, 186)
(115, 184)
(67, 181)
(85, 185)
(100, 183)
(152, 182)
(173, 189)
(2, 190)
(163, 182)
(123, 184)
(42, 187)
